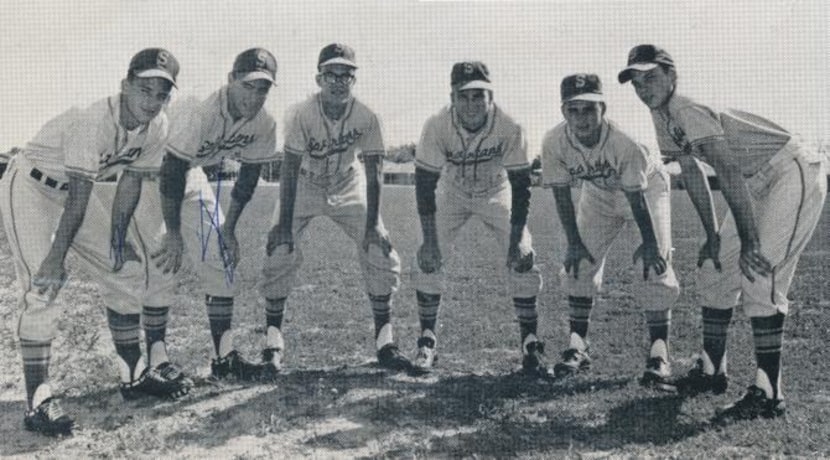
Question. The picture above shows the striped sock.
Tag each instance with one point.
(220, 313)
(428, 305)
(126, 335)
(155, 325)
(579, 314)
(658, 322)
(380, 311)
(35, 356)
(767, 333)
(715, 328)
(274, 310)
(525, 308)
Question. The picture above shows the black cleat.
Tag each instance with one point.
(390, 357)
(427, 357)
(573, 361)
(657, 375)
(753, 405)
(272, 364)
(697, 382)
(163, 381)
(533, 361)
(48, 418)
(233, 364)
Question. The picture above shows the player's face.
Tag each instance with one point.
(654, 86)
(584, 119)
(472, 106)
(336, 82)
(143, 99)
(246, 98)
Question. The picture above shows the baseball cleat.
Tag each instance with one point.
(390, 357)
(48, 418)
(162, 381)
(657, 375)
(533, 360)
(235, 365)
(272, 363)
(427, 357)
(573, 361)
(753, 405)
(697, 381)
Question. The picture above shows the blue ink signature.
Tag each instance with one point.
(213, 223)
(118, 239)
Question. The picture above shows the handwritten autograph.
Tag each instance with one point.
(209, 221)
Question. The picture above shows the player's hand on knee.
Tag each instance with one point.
(429, 258)
(375, 237)
(652, 260)
(122, 253)
(753, 262)
(277, 236)
(520, 258)
(169, 256)
(50, 278)
(574, 255)
(710, 250)
(230, 247)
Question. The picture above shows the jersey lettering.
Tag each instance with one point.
(118, 158)
(237, 141)
(600, 169)
(479, 155)
(333, 146)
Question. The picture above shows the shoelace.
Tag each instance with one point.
(53, 410)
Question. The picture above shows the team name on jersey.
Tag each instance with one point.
(679, 137)
(479, 155)
(117, 158)
(600, 169)
(236, 141)
(334, 145)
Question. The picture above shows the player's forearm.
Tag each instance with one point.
(697, 186)
(74, 210)
(567, 213)
(242, 192)
(425, 185)
(737, 197)
(520, 206)
(642, 215)
(127, 194)
(374, 168)
(173, 178)
(289, 174)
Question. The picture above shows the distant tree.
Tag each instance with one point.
(401, 154)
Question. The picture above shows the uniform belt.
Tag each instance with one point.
(39, 176)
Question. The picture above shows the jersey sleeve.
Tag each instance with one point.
(634, 167)
(515, 155)
(86, 140)
(429, 154)
(185, 130)
(554, 168)
(372, 141)
(295, 133)
(699, 123)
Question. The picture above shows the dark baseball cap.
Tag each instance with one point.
(470, 75)
(337, 53)
(581, 87)
(644, 58)
(154, 62)
(256, 64)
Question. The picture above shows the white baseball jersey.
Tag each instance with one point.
(615, 163)
(682, 125)
(475, 162)
(92, 143)
(327, 146)
(204, 133)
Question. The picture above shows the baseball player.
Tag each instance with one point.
(775, 189)
(50, 208)
(326, 137)
(620, 181)
(231, 123)
(475, 155)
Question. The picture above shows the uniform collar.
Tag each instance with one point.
(603, 136)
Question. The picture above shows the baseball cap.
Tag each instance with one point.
(470, 75)
(337, 53)
(644, 57)
(581, 87)
(154, 62)
(256, 64)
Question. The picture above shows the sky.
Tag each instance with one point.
(769, 58)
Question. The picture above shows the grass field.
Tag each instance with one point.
(333, 402)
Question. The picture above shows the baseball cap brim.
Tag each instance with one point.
(475, 84)
(625, 75)
(591, 97)
(258, 75)
(339, 60)
(152, 73)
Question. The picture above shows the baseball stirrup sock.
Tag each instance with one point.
(526, 313)
(658, 322)
(579, 314)
(380, 311)
(126, 335)
(715, 328)
(155, 324)
(767, 333)
(36, 355)
(220, 313)
(274, 310)
(428, 305)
